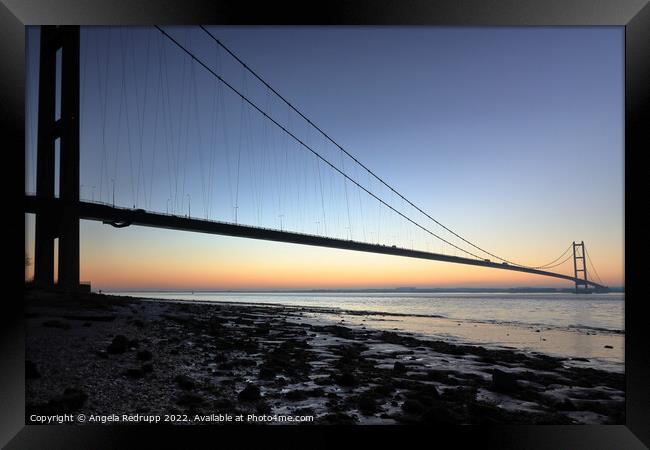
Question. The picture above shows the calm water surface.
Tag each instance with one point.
(556, 323)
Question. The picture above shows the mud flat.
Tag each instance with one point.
(193, 363)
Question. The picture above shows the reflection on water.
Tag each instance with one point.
(582, 326)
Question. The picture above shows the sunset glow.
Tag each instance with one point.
(495, 132)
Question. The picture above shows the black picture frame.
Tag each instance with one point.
(634, 15)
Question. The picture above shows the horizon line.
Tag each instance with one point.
(368, 289)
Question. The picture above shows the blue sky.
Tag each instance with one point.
(513, 137)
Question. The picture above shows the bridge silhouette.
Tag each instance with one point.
(58, 216)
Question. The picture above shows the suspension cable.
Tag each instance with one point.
(560, 263)
(222, 45)
(258, 109)
(556, 259)
(593, 267)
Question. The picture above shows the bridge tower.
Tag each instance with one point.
(61, 222)
(580, 265)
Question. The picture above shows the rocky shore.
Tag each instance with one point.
(101, 355)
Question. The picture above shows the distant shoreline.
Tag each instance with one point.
(400, 290)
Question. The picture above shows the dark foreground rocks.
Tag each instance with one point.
(70, 401)
(192, 359)
(503, 381)
(249, 394)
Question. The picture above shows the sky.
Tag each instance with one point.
(511, 137)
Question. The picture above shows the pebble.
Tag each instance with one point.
(249, 393)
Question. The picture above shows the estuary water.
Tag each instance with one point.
(578, 326)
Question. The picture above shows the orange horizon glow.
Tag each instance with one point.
(143, 258)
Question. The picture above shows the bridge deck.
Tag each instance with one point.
(125, 216)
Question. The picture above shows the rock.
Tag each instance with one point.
(30, 370)
(303, 394)
(460, 395)
(134, 372)
(566, 405)
(347, 379)
(367, 406)
(244, 362)
(440, 415)
(71, 400)
(222, 404)
(266, 373)
(189, 399)
(262, 330)
(296, 395)
(249, 394)
(412, 406)
(399, 368)
(304, 412)
(608, 346)
(263, 408)
(503, 381)
(317, 392)
(120, 344)
(384, 388)
(441, 376)
(184, 382)
(226, 366)
(144, 355)
(425, 394)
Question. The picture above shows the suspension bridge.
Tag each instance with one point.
(281, 178)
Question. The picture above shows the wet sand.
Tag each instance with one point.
(602, 350)
(102, 355)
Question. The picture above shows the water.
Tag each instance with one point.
(598, 313)
(568, 325)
